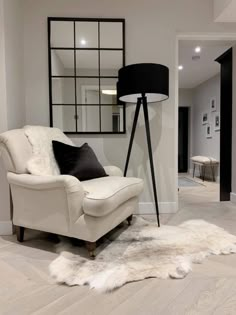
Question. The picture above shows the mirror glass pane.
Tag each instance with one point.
(62, 34)
(110, 62)
(87, 91)
(108, 92)
(112, 118)
(63, 91)
(111, 35)
(88, 118)
(62, 62)
(86, 34)
(64, 118)
(87, 62)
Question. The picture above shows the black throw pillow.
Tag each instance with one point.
(80, 162)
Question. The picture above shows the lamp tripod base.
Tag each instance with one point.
(143, 101)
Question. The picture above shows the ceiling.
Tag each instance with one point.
(196, 72)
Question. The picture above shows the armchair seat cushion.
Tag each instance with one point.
(103, 195)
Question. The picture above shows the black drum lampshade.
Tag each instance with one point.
(137, 80)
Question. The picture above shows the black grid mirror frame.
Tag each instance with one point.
(118, 121)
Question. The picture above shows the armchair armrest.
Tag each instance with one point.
(70, 183)
(44, 197)
(113, 171)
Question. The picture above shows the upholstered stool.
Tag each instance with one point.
(203, 162)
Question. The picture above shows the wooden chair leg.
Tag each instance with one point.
(91, 246)
(20, 233)
(129, 219)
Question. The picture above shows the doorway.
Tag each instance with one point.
(199, 130)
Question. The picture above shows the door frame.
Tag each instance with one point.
(226, 98)
(185, 112)
(194, 36)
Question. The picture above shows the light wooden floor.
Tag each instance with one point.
(25, 287)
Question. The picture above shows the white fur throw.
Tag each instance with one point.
(142, 251)
(43, 161)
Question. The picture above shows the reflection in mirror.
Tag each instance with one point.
(62, 61)
(87, 62)
(86, 34)
(87, 91)
(63, 91)
(108, 95)
(84, 59)
(111, 35)
(112, 118)
(89, 94)
(62, 34)
(110, 62)
(64, 118)
(88, 119)
(108, 88)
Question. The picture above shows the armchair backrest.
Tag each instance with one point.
(15, 150)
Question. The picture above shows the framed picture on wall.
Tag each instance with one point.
(208, 131)
(213, 104)
(217, 121)
(205, 118)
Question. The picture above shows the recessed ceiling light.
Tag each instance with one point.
(180, 67)
(197, 49)
(83, 42)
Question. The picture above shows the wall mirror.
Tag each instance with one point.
(84, 58)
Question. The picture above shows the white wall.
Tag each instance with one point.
(3, 108)
(4, 193)
(201, 103)
(12, 106)
(185, 98)
(225, 10)
(13, 21)
(219, 7)
(151, 29)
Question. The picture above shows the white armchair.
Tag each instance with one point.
(62, 204)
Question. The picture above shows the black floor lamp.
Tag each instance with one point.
(143, 83)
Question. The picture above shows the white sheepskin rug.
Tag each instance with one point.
(43, 161)
(141, 251)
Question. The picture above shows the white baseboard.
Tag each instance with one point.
(149, 207)
(6, 228)
(233, 197)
